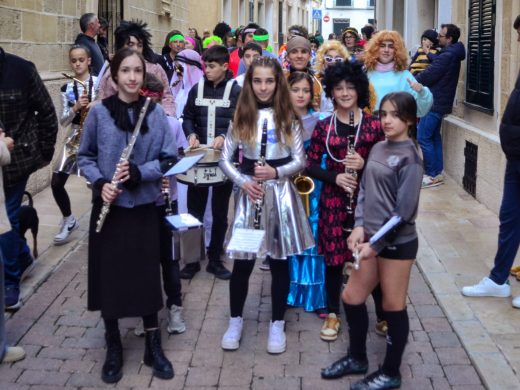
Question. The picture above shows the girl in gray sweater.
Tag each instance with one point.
(385, 240)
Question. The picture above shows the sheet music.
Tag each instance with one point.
(183, 221)
(184, 164)
(246, 240)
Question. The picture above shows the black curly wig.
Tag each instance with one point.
(351, 73)
(137, 29)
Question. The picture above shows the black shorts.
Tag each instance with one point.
(405, 251)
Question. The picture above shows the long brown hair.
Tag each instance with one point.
(246, 113)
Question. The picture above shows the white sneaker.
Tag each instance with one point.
(67, 226)
(139, 329)
(176, 322)
(487, 288)
(429, 181)
(231, 339)
(13, 354)
(276, 342)
(516, 302)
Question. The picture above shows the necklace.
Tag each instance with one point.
(333, 118)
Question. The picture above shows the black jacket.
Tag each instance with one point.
(27, 111)
(510, 125)
(442, 77)
(195, 118)
(95, 52)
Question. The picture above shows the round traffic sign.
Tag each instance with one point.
(326, 18)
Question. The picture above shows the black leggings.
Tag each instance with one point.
(150, 321)
(60, 194)
(239, 285)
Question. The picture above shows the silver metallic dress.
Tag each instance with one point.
(283, 217)
(67, 162)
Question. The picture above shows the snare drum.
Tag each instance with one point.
(206, 172)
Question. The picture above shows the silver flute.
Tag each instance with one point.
(127, 151)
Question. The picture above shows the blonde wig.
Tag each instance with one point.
(372, 50)
(326, 47)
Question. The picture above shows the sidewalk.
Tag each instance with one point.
(65, 345)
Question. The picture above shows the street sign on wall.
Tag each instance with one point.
(316, 14)
(326, 18)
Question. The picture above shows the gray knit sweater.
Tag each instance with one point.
(102, 144)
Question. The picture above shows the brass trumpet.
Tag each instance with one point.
(304, 185)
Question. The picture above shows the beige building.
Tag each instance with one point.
(42, 32)
(471, 145)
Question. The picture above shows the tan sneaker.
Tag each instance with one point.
(381, 328)
(329, 330)
(13, 354)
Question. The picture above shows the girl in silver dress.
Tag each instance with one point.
(76, 98)
(264, 113)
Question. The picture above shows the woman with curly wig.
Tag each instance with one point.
(349, 126)
(386, 61)
(329, 53)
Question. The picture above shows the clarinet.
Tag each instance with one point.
(127, 151)
(259, 203)
(349, 223)
(167, 198)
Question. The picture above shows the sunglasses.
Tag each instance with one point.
(330, 59)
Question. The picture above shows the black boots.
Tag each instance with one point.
(154, 355)
(112, 370)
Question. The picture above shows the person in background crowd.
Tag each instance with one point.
(332, 36)
(265, 116)
(134, 35)
(294, 31)
(192, 32)
(442, 77)
(315, 44)
(298, 57)
(202, 128)
(350, 38)
(102, 38)
(89, 25)
(307, 269)
(222, 30)
(173, 44)
(366, 33)
(496, 284)
(246, 36)
(124, 256)
(251, 51)
(33, 125)
(347, 128)
(426, 53)
(261, 38)
(75, 103)
(211, 41)
(205, 34)
(191, 63)
(386, 62)
(190, 43)
(8, 354)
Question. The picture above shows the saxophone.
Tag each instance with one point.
(127, 151)
(259, 203)
(75, 139)
(349, 223)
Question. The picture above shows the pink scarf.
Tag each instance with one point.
(385, 67)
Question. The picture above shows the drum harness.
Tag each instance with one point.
(212, 105)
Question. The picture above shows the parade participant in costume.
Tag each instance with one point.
(329, 53)
(76, 98)
(167, 205)
(385, 237)
(346, 138)
(174, 43)
(299, 56)
(246, 35)
(307, 270)
(209, 110)
(190, 43)
(134, 35)
(268, 128)
(350, 39)
(386, 61)
(261, 38)
(124, 251)
(294, 31)
(191, 63)
(426, 53)
(251, 51)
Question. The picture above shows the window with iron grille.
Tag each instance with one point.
(112, 11)
(343, 3)
(480, 59)
(251, 10)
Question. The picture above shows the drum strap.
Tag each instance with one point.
(212, 105)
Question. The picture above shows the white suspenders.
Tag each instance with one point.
(212, 105)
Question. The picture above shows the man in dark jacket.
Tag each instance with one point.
(89, 24)
(209, 110)
(495, 285)
(441, 77)
(27, 111)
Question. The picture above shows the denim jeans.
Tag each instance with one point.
(509, 232)
(429, 137)
(12, 245)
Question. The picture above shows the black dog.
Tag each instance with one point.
(29, 220)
